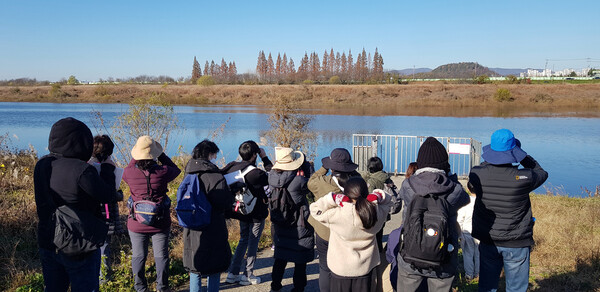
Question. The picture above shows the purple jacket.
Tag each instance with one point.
(160, 176)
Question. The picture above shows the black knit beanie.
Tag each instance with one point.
(433, 154)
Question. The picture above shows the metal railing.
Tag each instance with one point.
(397, 151)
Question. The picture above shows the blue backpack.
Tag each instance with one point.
(193, 209)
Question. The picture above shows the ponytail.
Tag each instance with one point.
(366, 211)
(356, 189)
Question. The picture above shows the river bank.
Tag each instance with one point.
(414, 99)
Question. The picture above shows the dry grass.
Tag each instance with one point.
(433, 98)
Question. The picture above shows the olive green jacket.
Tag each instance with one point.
(375, 180)
(321, 184)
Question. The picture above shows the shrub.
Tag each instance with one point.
(56, 91)
(206, 80)
(541, 97)
(503, 94)
(335, 80)
(512, 79)
(308, 81)
(72, 80)
(482, 79)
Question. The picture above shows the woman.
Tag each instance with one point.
(295, 242)
(320, 184)
(148, 180)
(375, 177)
(353, 219)
(207, 251)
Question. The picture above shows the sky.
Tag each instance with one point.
(50, 40)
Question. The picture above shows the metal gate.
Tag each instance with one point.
(398, 151)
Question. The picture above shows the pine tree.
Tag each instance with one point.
(206, 72)
(212, 69)
(291, 70)
(285, 71)
(232, 72)
(196, 71)
(338, 63)
(343, 68)
(303, 68)
(261, 65)
(278, 68)
(270, 68)
(224, 73)
(350, 66)
(331, 63)
(325, 66)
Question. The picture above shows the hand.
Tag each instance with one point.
(340, 198)
(262, 153)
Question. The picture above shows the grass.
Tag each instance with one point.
(418, 98)
(566, 256)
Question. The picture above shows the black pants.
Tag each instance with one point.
(299, 275)
(324, 272)
(366, 283)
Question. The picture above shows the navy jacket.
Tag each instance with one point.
(502, 213)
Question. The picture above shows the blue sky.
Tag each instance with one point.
(49, 40)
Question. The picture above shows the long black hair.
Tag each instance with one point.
(356, 189)
(204, 149)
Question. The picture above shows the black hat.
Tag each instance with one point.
(339, 160)
(433, 154)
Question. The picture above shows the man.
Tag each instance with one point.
(251, 225)
(64, 177)
(432, 178)
(502, 218)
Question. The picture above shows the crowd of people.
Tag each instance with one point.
(77, 190)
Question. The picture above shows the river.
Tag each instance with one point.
(567, 147)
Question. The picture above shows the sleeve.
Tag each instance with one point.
(93, 185)
(219, 195)
(459, 197)
(324, 209)
(298, 189)
(539, 174)
(317, 181)
(267, 163)
(172, 170)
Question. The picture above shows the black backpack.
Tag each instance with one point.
(283, 209)
(426, 236)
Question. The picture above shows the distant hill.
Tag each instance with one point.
(410, 71)
(458, 70)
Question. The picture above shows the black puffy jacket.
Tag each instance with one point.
(207, 251)
(502, 213)
(63, 177)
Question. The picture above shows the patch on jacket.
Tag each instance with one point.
(519, 177)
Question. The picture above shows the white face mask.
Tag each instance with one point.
(213, 158)
(213, 161)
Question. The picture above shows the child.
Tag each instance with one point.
(353, 219)
(469, 245)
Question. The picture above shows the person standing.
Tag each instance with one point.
(251, 225)
(64, 177)
(293, 243)
(432, 177)
(353, 219)
(148, 180)
(469, 245)
(502, 216)
(207, 251)
(320, 184)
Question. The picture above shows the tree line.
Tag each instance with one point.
(332, 67)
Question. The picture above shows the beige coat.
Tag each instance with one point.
(352, 248)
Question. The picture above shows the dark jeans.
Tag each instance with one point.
(299, 275)
(324, 272)
(60, 270)
(139, 250)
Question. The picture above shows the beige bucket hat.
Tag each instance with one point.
(146, 148)
(287, 159)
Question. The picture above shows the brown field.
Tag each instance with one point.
(431, 99)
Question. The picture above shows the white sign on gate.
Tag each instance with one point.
(456, 148)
